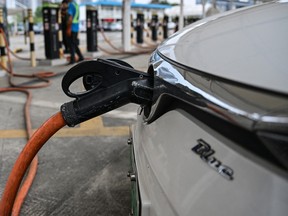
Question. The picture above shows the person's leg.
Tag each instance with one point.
(65, 43)
(71, 42)
(78, 51)
(66, 47)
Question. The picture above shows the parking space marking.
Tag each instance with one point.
(92, 127)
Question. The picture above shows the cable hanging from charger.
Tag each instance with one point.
(112, 85)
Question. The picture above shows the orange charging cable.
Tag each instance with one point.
(40, 76)
(38, 139)
(34, 164)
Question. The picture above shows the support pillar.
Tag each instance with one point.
(126, 25)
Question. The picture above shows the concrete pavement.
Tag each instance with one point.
(82, 170)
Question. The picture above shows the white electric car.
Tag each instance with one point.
(214, 141)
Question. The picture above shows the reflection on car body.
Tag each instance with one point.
(220, 98)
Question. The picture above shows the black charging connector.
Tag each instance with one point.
(109, 84)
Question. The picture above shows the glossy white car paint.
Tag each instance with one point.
(175, 181)
(246, 45)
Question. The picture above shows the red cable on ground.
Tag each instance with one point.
(40, 75)
(33, 167)
(22, 58)
(22, 193)
(121, 51)
(143, 47)
(38, 139)
(27, 106)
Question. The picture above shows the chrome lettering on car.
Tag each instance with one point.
(206, 153)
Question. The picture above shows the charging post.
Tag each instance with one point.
(31, 37)
(165, 26)
(139, 28)
(60, 35)
(51, 34)
(154, 27)
(91, 30)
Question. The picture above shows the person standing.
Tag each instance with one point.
(72, 31)
(64, 21)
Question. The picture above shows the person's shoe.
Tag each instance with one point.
(80, 59)
(71, 63)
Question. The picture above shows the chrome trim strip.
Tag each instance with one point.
(245, 106)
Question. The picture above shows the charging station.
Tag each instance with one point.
(139, 28)
(165, 26)
(51, 28)
(154, 26)
(91, 28)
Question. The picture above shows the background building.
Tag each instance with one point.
(110, 11)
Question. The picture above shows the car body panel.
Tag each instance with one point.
(247, 45)
(175, 181)
(214, 139)
(252, 108)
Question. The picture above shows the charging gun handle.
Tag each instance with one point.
(136, 89)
